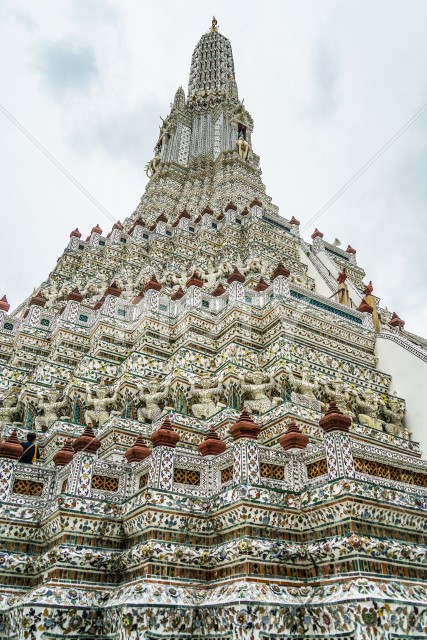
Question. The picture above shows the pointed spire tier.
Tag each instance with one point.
(96, 229)
(87, 442)
(64, 455)
(245, 427)
(212, 69)
(138, 451)
(11, 447)
(212, 445)
(293, 220)
(294, 438)
(75, 234)
(334, 420)
(165, 436)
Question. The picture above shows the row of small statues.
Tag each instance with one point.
(56, 292)
(259, 392)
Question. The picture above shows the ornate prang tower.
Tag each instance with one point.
(228, 419)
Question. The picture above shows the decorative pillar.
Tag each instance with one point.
(33, 314)
(218, 300)
(194, 295)
(245, 432)
(160, 227)
(95, 236)
(183, 220)
(10, 452)
(295, 442)
(256, 209)
(211, 447)
(236, 290)
(6, 476)
(137, 229)
(337, 441)
(280, 281)
(116, 234)
(80, 478)
(72, 308)
(207, 217)
(318, 243)
(164, 440)
(294, 226)
(75, 236)
(152, 297)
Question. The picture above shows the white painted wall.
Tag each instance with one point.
(409, 380)
(321, 287)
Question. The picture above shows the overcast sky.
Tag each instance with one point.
(328, 83)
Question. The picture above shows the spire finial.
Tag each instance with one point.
(214, 26)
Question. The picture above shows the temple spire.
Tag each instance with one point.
(208, 124)
(212, 66)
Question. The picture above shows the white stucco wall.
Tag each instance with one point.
(320, 285)
(409, 380)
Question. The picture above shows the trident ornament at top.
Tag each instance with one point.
(214, 26)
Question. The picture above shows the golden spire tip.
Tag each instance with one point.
(214, 26)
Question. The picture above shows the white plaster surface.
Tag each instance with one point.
(409, 376)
